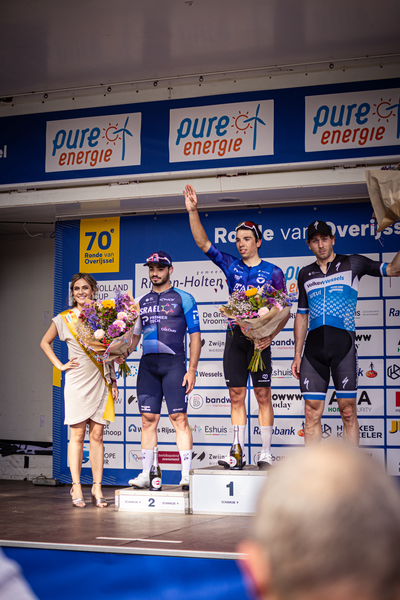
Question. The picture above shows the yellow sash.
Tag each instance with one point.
(70, 319)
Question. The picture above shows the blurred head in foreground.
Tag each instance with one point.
(327, 527)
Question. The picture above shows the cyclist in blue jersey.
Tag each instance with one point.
(243, 273)
(327, 301)
(165, 314)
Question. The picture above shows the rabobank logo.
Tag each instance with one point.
(222, 131)
(93, 142)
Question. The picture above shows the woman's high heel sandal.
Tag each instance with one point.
(78, 502)
(99, 502)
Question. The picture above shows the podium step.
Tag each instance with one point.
(171, 499)
(219, 491)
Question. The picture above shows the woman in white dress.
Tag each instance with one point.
(85, 393)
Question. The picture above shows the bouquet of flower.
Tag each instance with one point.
(258, 312)
(106, 328)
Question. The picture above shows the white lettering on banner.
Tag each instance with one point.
(354, 120)
(221, 131)
(3, 151)
(93, 142)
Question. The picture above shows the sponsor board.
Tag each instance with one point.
(211, 318)
(369, 342)
(282, 345)
(364, 119)
(371, 431)
(131, 401)
(93, 142)
(133, 457)
(211, 431)
(212, 345)
(282, 374)
(391, 285)
(285, 431)
(369, 313)
(369, 402)
(377, 454)
(393, 461)
(202, 279)
(99, 243)
(211, 402)
(292, 266)
(370, 372)
(392, 372)
(393, 342)
(279, 453)
(392, 312)
(210, 374)
(119, 403)
(393, 432)
(131, 379)
(114, 432)
(113, 456)
(284, 402)
(221, 131)
(369, 287)
(393, 401)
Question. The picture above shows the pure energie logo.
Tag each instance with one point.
(93, 142)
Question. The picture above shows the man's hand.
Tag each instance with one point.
(296, 367)
(189, 380)
(190, 198)
(263, 342)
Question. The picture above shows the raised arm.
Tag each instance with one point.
(198, 231)
(300, 332)
(393, 268)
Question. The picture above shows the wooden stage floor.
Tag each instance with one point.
(43, 517)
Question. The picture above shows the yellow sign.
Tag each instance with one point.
(99, 245)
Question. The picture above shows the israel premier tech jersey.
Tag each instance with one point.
(240, 277)
(164, 318)
(330, 298)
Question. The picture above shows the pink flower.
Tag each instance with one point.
(99, 334)
(122, 315)
(263, 311)
(120, 324)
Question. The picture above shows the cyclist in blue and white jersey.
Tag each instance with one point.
(243, 273)
(328, 291)
(165, 314)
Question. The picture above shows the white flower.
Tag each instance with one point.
(263, 310)
(99, 334)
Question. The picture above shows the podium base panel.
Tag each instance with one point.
(219, 491)
(171, 499)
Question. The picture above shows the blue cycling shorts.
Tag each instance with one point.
(161, 376)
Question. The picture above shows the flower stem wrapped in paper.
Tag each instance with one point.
(106, 328)
(258, 312)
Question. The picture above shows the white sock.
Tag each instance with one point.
(242, 435)
(266, 436)
(186, 460)
(147, 459)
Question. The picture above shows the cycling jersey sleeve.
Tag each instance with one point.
(190, 311)
(278, 279)
(221, 259)
(302, 305)
(361, 265)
